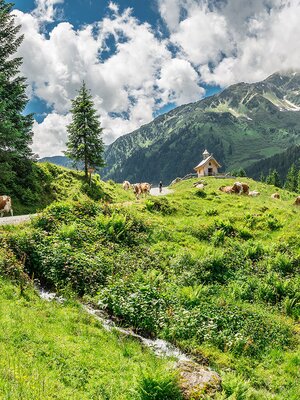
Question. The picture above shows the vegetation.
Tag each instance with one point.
(15, 127)
(217, 275)
(85, 142)
(242, 125)
(281, 162)
(47, 182)
(50, 350)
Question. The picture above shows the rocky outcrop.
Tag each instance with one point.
(197, 380)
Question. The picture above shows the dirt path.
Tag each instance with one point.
(19, 219)
(155, 191)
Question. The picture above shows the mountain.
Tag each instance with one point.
(241, 125)
(281, 162)
(62, 161)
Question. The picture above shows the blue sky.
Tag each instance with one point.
(141, 58)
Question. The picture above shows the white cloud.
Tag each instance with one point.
(50, 135)
(232, 41)
(218, 42)
(45, 10)
(180, 82)
(124, 85)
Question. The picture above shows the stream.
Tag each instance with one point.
(160, 347)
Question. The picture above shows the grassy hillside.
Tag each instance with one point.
(57, 351)
(242, 125)
(47, 182)
(216, 274)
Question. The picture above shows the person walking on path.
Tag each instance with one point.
(160, 186)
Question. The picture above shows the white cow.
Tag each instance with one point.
(126, 185)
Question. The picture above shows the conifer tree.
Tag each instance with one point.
(298, 182)
(273, 178)
(276, 178)
(85, 142)
(15, 128)
(291, 181)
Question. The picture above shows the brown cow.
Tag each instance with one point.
(5, 205)
(240, 188)
(145, 188)
(275, 196)
(297, 201)
(137, 190)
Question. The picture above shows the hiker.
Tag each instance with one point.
(160, 186)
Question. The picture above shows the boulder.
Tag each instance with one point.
(196, 380)
(176, 180)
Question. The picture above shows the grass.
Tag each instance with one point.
(57, 351)
(48, 183)
(217, 275)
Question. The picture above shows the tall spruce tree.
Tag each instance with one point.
(273, 178)
(85, 142)
(15, 128)
(291, 181)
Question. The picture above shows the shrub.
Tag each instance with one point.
(200, 193)
(211, 212)
(159, 387)
(161, 205)
(137, 301)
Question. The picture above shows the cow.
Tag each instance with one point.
(126, 185)
(200, 186)
(254, 193)
(226, 189)
(275, 196)
(145, 188)
(297, 201)
(240, 188)
(137, 190)
(5, 206)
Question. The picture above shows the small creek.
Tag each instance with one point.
(160, 347)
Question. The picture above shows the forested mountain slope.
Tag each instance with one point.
(241, 125)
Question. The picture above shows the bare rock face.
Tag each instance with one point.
(197, 380)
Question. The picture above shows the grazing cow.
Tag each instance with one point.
(226, 189)
(5, 205)
(297, 201)
(137, 190)
(254, 193)
(145, 188)
(275, 196)
(200, 186)
(240, 188)
(126, 185)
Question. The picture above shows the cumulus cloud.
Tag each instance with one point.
(51, 134)
(230, 41)
(128, 86)
(45, 10)
(208, 42)
(180, 82)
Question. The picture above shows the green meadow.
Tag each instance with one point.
(215, 274)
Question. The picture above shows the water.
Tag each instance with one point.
(160, 347)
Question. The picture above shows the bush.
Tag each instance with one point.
(137, 301)
(161, 205)
(163, 387)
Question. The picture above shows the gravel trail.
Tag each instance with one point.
(18, 219)
(155, 191)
